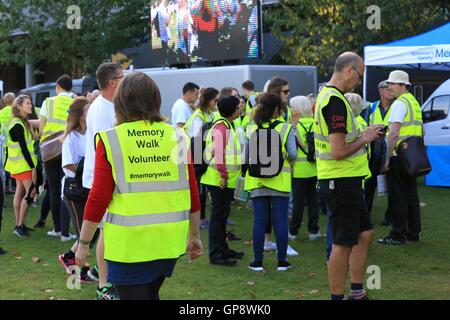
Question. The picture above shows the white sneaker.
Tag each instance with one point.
(53, 233)
(69, 238)
(270, 246)
(315, 236)
(291, 251)
(292, 236)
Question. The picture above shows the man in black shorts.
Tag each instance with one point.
(342, 165)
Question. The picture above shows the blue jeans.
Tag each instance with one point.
(275, 208)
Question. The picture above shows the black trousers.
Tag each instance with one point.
(45, 206)
(404, 207)
(54, 175)
(2, 201)
(305, 189)
(203, 191)
(220, 210)
(369, 192)
(146, 291)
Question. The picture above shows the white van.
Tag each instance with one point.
(436, 116)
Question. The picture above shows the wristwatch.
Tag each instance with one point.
(85, 242)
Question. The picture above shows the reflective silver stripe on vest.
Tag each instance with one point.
(50, 114)
(18, 158)
(286, 170)
(17, 146)
(146, 219)
(411, 121)
(49, 133)
(329, 156)
(283, 131)
(133, 187)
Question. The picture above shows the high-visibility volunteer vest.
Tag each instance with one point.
(233, 157)
(6, 117)
(327, 167)
(286, 117)
(302, 167)
(362, 124)
(16, 162)
(205, 117)
(375, 116)
(281, 182)
(57, 111)
(251, 102)
(148, 216)
(412, 123)
(242, 121)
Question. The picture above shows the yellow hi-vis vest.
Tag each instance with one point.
(281, 182)
(148, 216)
(242, 121)
(16, 162)
(233, 157)
(205, 117)
(251, 102)
(362, 124)
(412, 124)
(375, 116)
(6, 117)
(302, 167)
(327, 167)
(286, 117)
(57, 112)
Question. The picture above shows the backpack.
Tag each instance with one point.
(258, 166)
(198, 145)
(311, 153)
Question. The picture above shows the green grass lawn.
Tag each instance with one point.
(413, 271)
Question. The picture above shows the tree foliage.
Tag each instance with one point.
(35, 30)
(315, 32)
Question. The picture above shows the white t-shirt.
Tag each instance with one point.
(196, 126)
(181, 111)
(398, 112)
(73, 149)
(43, 111)
(101, 116)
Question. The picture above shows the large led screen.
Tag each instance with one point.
(185, 31)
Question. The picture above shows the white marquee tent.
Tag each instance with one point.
(426, 51)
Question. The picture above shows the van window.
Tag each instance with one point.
(40, 97)
(436, 109)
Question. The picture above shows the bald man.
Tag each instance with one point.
(341, 167)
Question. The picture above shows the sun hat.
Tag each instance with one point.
(399, 76)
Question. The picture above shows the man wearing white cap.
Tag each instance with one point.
(405, 121)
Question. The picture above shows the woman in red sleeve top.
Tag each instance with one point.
(143, 181)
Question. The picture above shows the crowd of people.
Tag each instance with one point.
(138, 186)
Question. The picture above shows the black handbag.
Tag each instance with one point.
(73, 187)
(413, 157)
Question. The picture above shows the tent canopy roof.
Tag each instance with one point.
(429, 50)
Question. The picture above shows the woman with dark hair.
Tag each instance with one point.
(202, 115)
(223, 153)
(73, 151)
(143, 181)
(280, 87)
(22, 161)
(270, 196)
